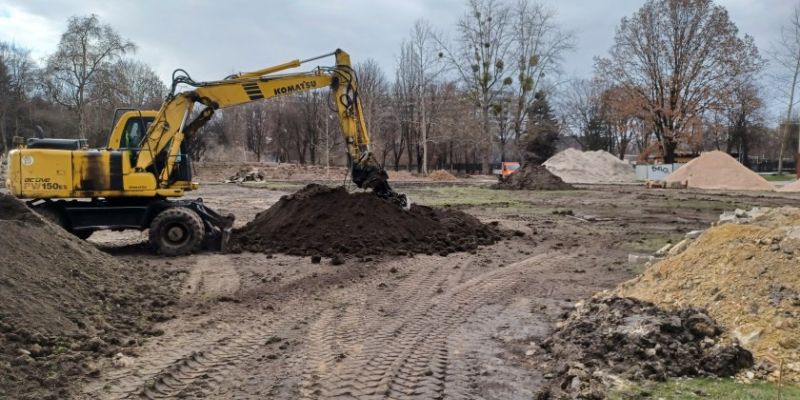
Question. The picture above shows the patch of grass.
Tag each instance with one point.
(650, 244)
(779, 178)
(274, 185)
(481, 196)
(685, 389)
(464, 195)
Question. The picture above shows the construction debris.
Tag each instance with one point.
(247, 174)
(718, 170)
(575, 166)
(744, 271)
(319, 220)
(604, 342)
(533, 177)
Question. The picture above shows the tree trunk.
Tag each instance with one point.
(487, 146)
(669, 145)
(788, 115)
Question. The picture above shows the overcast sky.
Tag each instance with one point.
(211, 39)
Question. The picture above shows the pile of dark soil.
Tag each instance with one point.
(319, 220)
(533, 177)
(64, 303)
(605, 340)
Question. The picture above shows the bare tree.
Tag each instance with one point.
(678, 56)
(255, 119)
(479, 57)
(539, 45)
(373, 90)
(582, 112)
(21, 71)
(786, 54)
(85, 48)
(136, 85)
(5, 100)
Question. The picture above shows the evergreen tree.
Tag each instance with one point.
(542, 132)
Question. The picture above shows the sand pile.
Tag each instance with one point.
(746, 274)
(533, 177)
(63, 303)
(441, 175)
(605, 340)
(718, 170)
(791, 187)
(575, 166)
(323, 221)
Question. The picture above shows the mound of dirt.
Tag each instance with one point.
(441, 175)
(62, 304)
(533, 177)
(718, 170)
(606, 340)
(319, 220)
(575, 166)
(747, 275)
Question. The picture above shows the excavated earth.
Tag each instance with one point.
(323, 221)
(604, 340)
(466, 326)
(64, 304)
(533, 177)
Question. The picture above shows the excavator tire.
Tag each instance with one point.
(177, 231)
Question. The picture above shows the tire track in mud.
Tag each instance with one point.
(194, 363)
(411, 355)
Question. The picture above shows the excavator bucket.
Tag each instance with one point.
(376, 178)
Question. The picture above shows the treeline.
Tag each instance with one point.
(679, 78)
(73, 92)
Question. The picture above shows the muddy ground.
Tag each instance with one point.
(255, 326)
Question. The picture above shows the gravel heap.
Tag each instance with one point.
(575, 166)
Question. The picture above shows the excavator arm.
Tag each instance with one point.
(172, 124)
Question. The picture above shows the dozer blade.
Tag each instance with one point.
(218, 227)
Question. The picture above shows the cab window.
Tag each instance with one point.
(134, 132)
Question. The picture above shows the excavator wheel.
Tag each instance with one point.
(177, 231)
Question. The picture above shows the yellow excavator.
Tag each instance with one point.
(136, 182)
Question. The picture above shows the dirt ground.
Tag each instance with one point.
(255, 326)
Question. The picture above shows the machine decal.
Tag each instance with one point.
(295, 88)
(27, 160)
(41, 184)
(253, 91)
